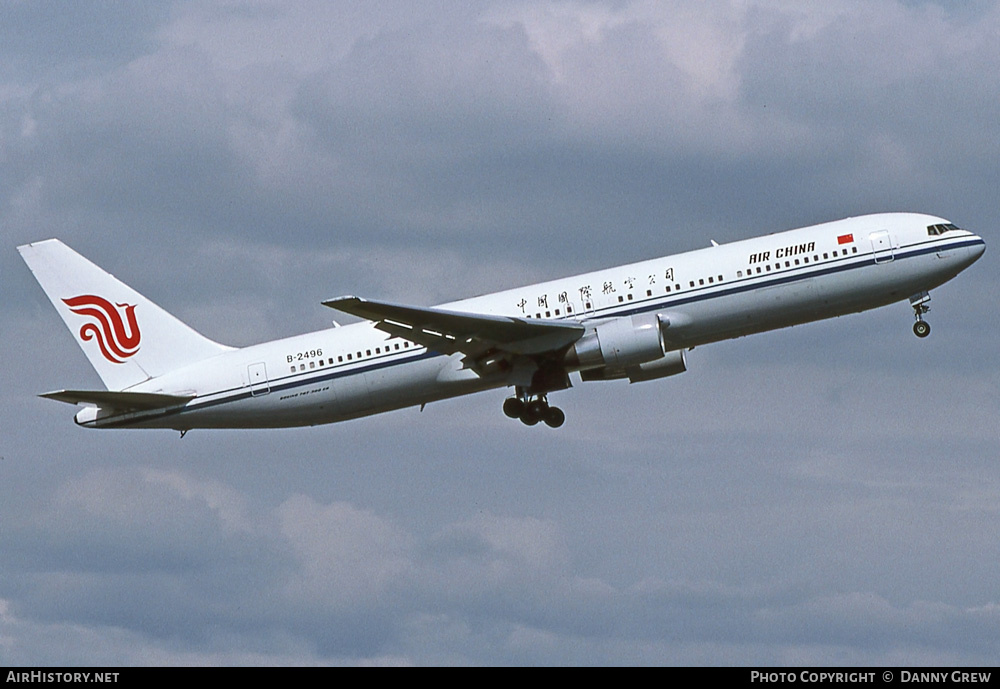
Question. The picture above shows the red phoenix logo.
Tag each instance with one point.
(116, 343)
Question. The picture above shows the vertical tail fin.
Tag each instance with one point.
(127, 338)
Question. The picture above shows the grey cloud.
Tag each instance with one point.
(820, 495)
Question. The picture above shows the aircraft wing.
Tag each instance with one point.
(119, 401)
(454, 331)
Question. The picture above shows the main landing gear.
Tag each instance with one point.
(919, 303)
(533, 410)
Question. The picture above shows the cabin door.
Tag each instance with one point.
(258, 379)
(881, 246)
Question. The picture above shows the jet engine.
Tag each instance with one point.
(630, 347)
(670, 364)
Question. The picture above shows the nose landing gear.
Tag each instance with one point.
(532, 410)
(919, 303)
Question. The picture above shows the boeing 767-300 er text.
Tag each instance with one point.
(633, 322)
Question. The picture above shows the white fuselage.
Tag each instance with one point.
(702, 296)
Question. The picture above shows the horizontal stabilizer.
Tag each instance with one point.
(119, 401)
(455, 331)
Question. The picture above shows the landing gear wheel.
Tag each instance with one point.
(513, 407)
(554, 417)
(533, 409)
(919, 304)
(528, 418)
(534, 412)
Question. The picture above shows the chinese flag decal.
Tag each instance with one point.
(845, 239)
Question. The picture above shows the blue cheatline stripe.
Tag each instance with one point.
(747, 284)
(236, 394)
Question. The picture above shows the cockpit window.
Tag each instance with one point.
(940, 229)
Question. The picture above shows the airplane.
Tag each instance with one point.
(634, 322)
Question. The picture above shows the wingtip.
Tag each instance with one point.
(337, 301)
(31, 245)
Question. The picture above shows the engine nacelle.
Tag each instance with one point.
(618, 344)
(669, 364)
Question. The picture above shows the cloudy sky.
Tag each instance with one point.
(827, 494)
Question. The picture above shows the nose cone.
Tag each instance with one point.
(976, 250)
